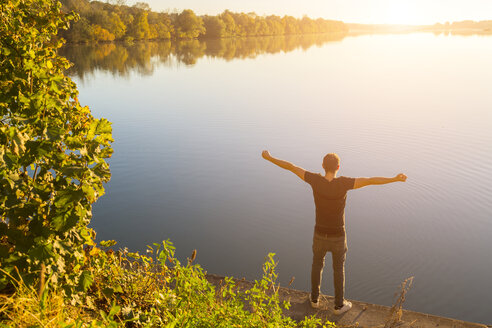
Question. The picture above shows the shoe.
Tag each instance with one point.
(346, 306)
(314, 305)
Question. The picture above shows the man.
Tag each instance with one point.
(330, 194)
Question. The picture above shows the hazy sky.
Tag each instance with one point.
(353, 11)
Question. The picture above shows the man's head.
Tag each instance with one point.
(331, 162)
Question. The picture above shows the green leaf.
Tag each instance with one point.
(107, 243)
(103, 126)
(55, 132)
(4, 251)
(42, 252)
(86, 280)
(102, 171)
(108, 291)
(64, 221)
(11, 160)
(114, 309)
(5, 51)
(90, 193)
(73, 170)
(118, 289)
(68, 197)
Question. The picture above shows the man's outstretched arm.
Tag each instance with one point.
(299, 171)
(362, 182)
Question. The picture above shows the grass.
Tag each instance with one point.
(151, 290)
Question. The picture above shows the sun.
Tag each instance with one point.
(401, 12)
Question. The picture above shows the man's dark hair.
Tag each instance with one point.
(331, 162)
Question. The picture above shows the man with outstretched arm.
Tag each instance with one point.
(330, 194)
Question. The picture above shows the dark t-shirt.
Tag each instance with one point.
(329, 199)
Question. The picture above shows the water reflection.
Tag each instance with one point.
(462, 32)
(143, 57)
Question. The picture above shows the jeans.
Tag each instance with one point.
(338, 247)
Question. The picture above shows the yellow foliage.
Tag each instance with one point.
(101, 34)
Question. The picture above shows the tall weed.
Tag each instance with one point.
(151, 290)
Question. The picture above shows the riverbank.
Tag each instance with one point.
(364, 315)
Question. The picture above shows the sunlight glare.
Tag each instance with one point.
(401, 12)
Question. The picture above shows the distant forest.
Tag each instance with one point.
(467, 27)
(467, 24)
(109, 21)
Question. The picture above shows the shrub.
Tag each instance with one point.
(153, 290)
(52, 153)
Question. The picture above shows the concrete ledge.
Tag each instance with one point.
(361, 315)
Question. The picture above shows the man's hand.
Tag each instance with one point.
(401, 177)
(266, 155)
(299, 171)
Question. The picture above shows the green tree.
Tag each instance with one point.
(261, 26)
(80, 31)
(246, 24)
(101, 34)
(140, 28)
(142, 5)
(275, 25)
(291, 25)
(230, 24)
(52, 152)
(307, 25)
(160, 31)
(116, 26)
(160, 26)
(81, 7)
(139, 22)
(188, 25)
(214, 27)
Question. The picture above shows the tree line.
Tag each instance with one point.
(482, 26)
(109, 21)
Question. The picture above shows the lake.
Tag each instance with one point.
(190, 121)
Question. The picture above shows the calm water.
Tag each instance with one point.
(190, 121)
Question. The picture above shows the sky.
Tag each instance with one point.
(349, 11)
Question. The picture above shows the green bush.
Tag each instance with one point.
(153, 290)
(52, 153)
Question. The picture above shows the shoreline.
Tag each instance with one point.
(203, 39)
(364, 315)
(348, 33)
